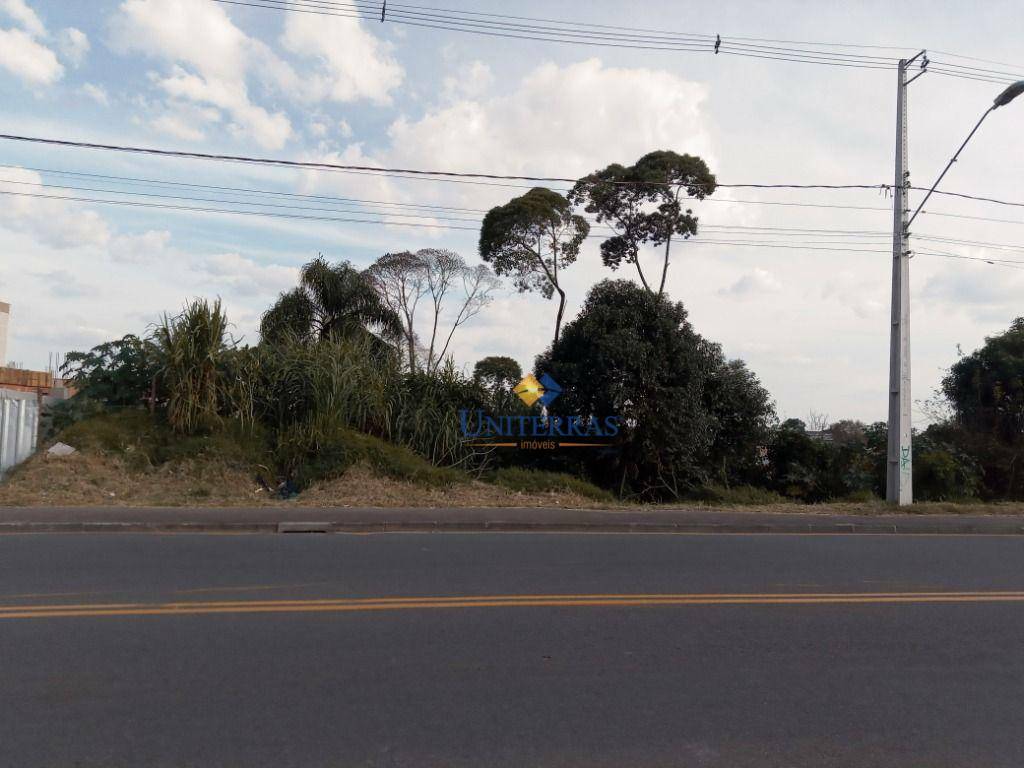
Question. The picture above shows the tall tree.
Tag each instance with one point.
(986, 387)
(985, 390)
(497, 375)
(533, 238)
(687, 414)
(330, 300)
(455, 292)
(401, 281)
(118, 373)
(644, 204)
(471, 289)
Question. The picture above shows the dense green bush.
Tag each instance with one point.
(688, 415)
(121, 372)
(986, 393)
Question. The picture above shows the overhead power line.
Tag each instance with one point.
(782, 238)
(561, 32)
(577, 32)
(321, 166)
(321, 200)
(431, 206)
(437, 175)
(421, 211)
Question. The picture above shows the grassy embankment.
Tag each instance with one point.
(130, 458)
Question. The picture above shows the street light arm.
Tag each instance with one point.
(950, 164)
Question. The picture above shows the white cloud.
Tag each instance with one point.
(210, 58)
(245, 277)
(351, 63)
(211, 62)
(65, 284)
(73, 44)
(185, 120)
(471, 81)
(97, 93)
(53, 222)
(28, 59)
(268, 130)
(985, 292)
(867, 299)
(568, 120)
(195, 32)
(755, 283)
(149, 246)
(24, 16)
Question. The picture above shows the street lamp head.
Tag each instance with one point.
(1009, 94)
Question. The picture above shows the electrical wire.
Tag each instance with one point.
(460, 22)
(606, 35)
(827, 246)
(424, 214)
(427, 206)
(432, 216)
(443, 175)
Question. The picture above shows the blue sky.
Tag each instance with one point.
(210, 77)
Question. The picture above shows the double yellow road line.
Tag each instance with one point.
(355, 605)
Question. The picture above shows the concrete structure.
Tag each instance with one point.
(19, 426)
(5, 316)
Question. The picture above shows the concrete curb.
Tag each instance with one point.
(994, 527)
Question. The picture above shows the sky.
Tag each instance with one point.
(197, 75)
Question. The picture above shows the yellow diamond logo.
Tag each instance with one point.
(529, 390)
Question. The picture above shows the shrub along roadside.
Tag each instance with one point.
(539, 481)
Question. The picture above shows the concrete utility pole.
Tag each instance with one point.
(899, 471)
(899, 475)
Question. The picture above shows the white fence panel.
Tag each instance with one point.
(19, 427)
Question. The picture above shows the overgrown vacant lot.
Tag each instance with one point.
(129, 458)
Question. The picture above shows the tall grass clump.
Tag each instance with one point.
(312, 394)
(192, 346)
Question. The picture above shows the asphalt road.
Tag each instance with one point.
(511, 650)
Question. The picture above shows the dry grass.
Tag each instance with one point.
(98, 479)
(876, 507)
(88, 479)
(361, 487)
(94, 477)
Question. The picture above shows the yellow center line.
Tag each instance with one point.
(178, 605)
(328, 605)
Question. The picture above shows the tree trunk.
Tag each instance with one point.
(664, 268)
(561, 311)
(641, 273)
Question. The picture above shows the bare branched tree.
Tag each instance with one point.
(456, 292)
(401, 281)
(474, 290)
(817, 422)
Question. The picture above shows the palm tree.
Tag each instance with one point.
(331, 301)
